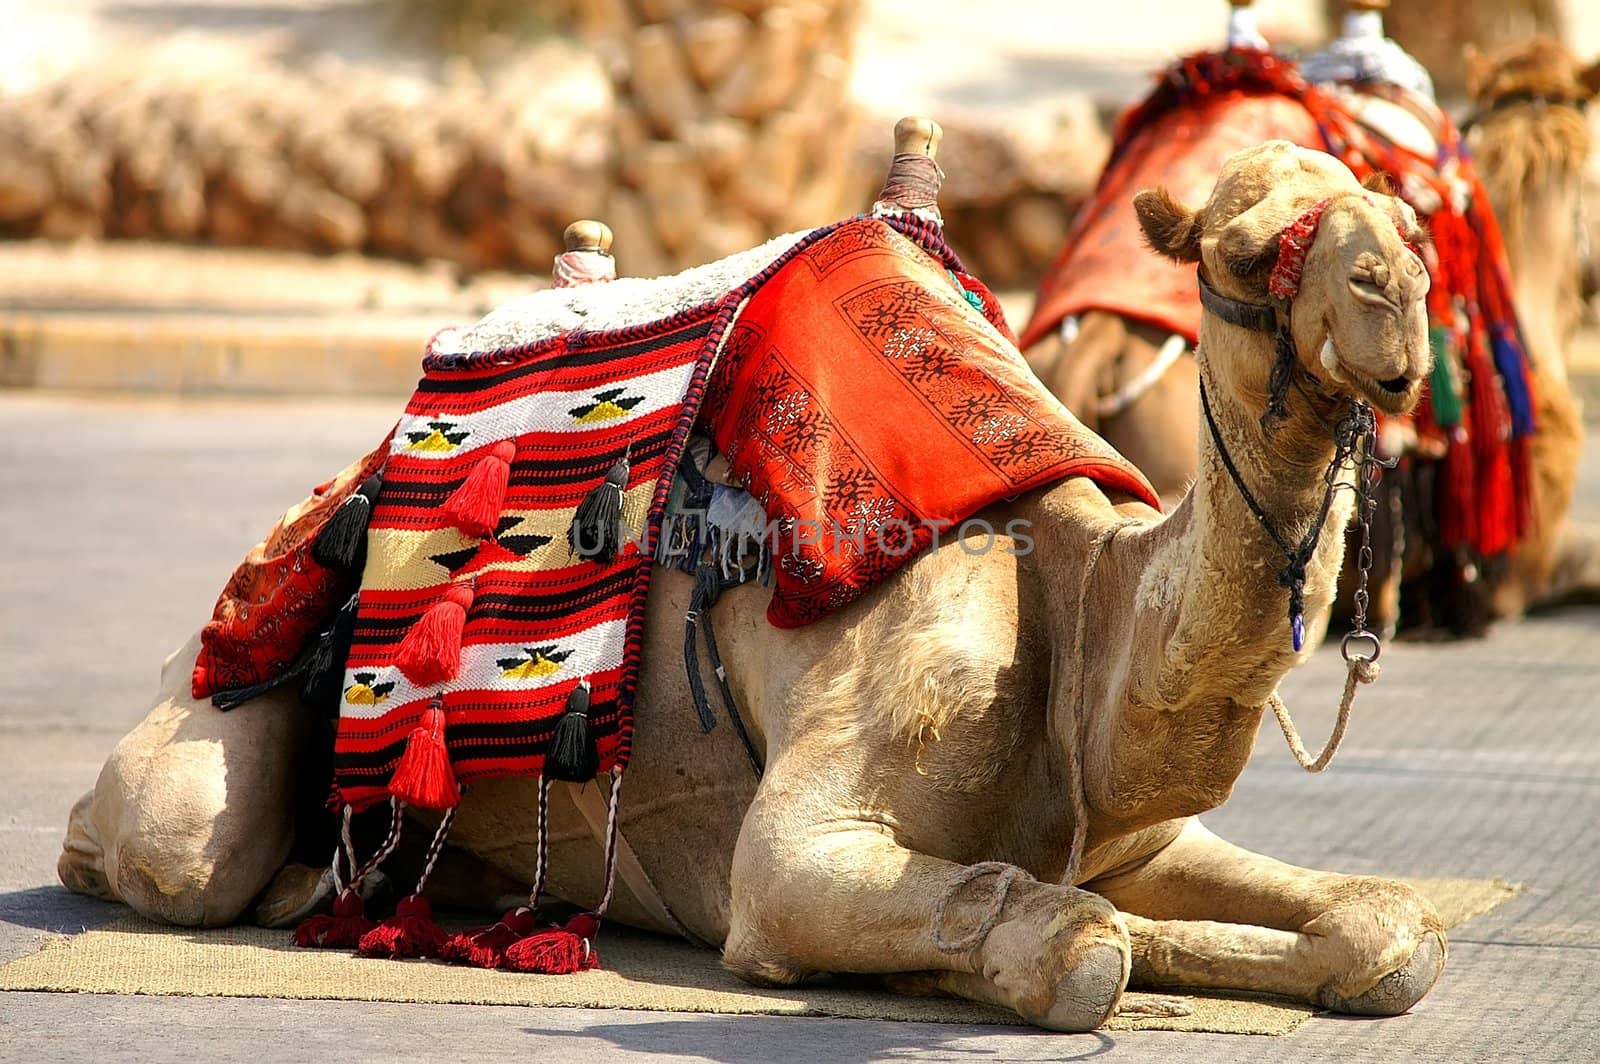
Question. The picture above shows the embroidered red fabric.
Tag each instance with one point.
(1293, 243)
(279, 594)
(868, 405)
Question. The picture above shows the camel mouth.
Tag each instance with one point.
(1395, 395)
(1392, 395)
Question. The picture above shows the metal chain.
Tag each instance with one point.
(1369, 469)
(1360, 428)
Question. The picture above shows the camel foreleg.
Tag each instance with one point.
(1203, 912)
(193, 812)
(842, 895)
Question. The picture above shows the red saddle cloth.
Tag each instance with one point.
(868, 400)
(1106, 264)
(279, 594)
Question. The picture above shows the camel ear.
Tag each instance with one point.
(1478, 70)
(1589, 78)
(1171, 228)
(1381, 182)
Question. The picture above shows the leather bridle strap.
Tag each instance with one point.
(1257, 317)
(1263, 318)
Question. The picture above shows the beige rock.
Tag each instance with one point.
(662, 88)
(70, 221)
(181, 205)
(674, 192)
(327, 218)
(637, 251)
(767, 72)
(720, 144)
(26, 187)
(712, 42)
(767, 181)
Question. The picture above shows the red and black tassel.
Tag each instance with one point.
(485, 947)
(557, 950)
(340, 929)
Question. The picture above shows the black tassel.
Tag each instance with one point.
(572, 755)
(324, 677)
(596, 531)
(342, 543)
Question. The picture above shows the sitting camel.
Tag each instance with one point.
(981, 777)
(1531, 140)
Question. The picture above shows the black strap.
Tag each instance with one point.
(708, 587)
(1259, 317)
(1265, 318)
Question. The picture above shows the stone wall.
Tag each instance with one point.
(694, 129)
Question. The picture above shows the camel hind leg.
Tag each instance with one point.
(1203, 912)
(193, 812)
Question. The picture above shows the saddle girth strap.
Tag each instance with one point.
(708, 587)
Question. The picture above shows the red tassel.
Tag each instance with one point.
(410, 932)
(340, 930)
(485, 947)
(431, 652)
(558, 950)
(475, 506)
(423, 777)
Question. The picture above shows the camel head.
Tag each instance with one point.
(1290, 231)
(1540, 69)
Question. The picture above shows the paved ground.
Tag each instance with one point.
(124, 517)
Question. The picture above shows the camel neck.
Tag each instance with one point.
(1209, 632)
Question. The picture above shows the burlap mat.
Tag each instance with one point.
(135, 956)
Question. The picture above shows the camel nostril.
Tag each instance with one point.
(1394, 385)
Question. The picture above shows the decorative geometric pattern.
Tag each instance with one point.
(931, 414)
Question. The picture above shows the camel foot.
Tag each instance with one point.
(1089, 994)
(295, 893)
(298, 891)
(82, 864)
(1400, 989)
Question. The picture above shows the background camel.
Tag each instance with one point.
(1110, 366)
(1079, 702)
(1532, 141)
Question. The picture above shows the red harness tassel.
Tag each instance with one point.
(431, 652)
(485, 947)
(558, 950)
(341, 929)
(410, 932)
(423, 777)
(475, 506)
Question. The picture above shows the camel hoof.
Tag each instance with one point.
(295, 893)
(1400, 989)
(82, 865)
(1089, 994)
